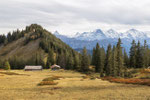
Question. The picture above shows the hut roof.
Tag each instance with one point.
(33, 67)
(53, 66)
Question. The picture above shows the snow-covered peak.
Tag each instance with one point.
(111, 33)
(99, 34)
(77, 34)
(56, 33)
(133, 33)
(98, 31)
(133, 30)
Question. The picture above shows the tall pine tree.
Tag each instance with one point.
(133, 51)
(139, 56)
(114, 61)
(119, 58)
(85, 61)
(108, 61)
(126, 59)
(97, 58)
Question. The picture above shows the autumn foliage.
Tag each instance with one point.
(128, 81)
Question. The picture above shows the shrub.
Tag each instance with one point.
(145, 71)
(85, 77)
(145, 77)
(50, 81)
(47, 83)
(92, 78)
(128, 81)
(7, 66)
(52, 78)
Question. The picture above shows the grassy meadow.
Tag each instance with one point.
(65, 85)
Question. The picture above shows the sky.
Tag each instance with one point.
(71, 16)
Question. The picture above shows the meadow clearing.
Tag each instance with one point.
(23, 85)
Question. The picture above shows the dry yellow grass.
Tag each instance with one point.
(71, 87)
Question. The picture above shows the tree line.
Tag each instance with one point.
(114, 61)
(111, 62)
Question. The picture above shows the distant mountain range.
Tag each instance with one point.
(89, 39)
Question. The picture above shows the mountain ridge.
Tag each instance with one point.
(89, 39)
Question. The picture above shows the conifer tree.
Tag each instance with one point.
(145, 55)
(97, 58)
(50, 58)
(108, 61)
(76, 62)
(62, 60)
(139, 56)
(70, 62)
(126, 59)
(119, 58)
(133, 51)
(114, 62)
(7, 66)
(94, 56)
(39, 59)
(102, 61)
(84, 61)
(9, 37)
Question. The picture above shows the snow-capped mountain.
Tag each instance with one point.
(89, 39)
(99, 35)
(90, 36)
(111, 33)
(77, 34)
(56, 33)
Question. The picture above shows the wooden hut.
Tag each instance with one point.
(55, 67)
(33, 68)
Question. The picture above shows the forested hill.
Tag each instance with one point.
(35, 46)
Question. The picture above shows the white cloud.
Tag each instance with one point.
(71, 16)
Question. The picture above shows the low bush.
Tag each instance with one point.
(92, 78)
(50, 81)
(47, 83)
(128, 81)
(52, 78)
(145, 71)
(86, 77)
(145, 77)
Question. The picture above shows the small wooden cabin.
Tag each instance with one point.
(33, 68)
(148, 67)
(55, 67)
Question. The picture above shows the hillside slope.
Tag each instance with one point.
(32, 44)
(17, 48)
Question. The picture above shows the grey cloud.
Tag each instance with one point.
(56, 13)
